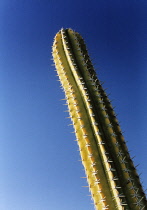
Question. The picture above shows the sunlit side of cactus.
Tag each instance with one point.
(112, 177)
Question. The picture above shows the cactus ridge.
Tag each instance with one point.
(111, 175)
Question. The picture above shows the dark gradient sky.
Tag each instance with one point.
(39, 167)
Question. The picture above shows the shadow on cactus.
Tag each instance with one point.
(112, 177)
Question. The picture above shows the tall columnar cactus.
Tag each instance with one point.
(112, 177)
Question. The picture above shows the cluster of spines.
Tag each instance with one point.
(96, 127)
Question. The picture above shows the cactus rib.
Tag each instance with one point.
(112, 177)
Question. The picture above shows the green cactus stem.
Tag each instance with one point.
(111, 175)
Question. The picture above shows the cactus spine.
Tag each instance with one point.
(111, 175)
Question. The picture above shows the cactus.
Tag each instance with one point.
(112, 178)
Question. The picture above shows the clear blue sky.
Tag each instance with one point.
(39, 167)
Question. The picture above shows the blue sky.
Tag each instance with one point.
(39, 167)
